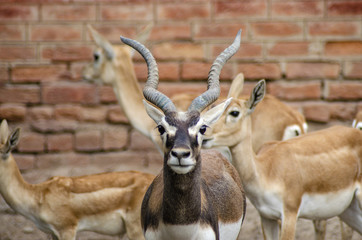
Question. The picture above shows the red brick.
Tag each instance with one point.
(170, 32)
(116, 115)
(60, 142)
(140, 143)
(239, 9)
(52, 32)
(68, 12)
(168, 71)
(51, 126)
(353, 70)
(33, 74)
(344, 8)
(247, 50)
(40, 113)
(297, 9)
(12, 112)
(317, 112)
(133, 12)
(25, 161)
(260, 70)
(93, 114)
(69, 93)
(112, 32)
(31, 142)
(107, 95)
(266, 30)
(352, 48)
(312, 70)
(219, 30)
(66, 53)
(289, 49)
(178, 51)
(295, 91)
(115, 138)
(11, 52)
(319, 29)
(67, 112)
(18, 13)
(344, 91)
(75, 72)
(4, 74)
(88, 140)
(183, 11)
(200, 71)
(54, 160)
(342, 111)
(20, 94)
(12, 32)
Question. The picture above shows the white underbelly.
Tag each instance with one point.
(323, 206)
(109, 223)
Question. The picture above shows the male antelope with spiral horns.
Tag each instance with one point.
(197, 195)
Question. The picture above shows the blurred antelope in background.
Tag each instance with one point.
(314, 176)
(106, 203)
(197, 195)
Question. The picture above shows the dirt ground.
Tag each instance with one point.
(16, 227)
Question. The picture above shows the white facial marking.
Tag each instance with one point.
(357, 125)
(305, 127)
(291, 131)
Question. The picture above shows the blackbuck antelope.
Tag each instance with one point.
(107, 203)
(357, 122)
(197, 195)
(112, 65)
(315, 176)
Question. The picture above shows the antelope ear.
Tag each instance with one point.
(236, 86)
(256, 96)
(213, 114)
(143, 35)
(153, 112)
(101, 42)
(4, 131)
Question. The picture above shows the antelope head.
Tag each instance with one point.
(182, 132)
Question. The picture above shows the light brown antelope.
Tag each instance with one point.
(197, 195)
(314, 176)
(112, 65)
(107, 203)
(357, 122)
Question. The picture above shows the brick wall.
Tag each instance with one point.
(310, 52)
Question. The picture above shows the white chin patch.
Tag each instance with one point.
(181, 169)
(291, 131)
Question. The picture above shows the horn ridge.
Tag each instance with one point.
(213, 85)
(150, 91)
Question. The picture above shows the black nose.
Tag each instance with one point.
(180, 153)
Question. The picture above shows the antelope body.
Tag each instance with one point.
(197, 195)
(314, 176)
(107, 203)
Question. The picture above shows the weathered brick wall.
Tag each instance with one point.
(310, 52)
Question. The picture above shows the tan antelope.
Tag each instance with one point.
(107, 203)
(314, 176)
(197, 195)
(112, 65)
(357, 122)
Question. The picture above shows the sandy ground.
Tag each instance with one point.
(16, 227)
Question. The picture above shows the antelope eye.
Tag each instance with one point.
(203, 129)
(161, 129)
(95, 56)
(296, 133)
(234, 113)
